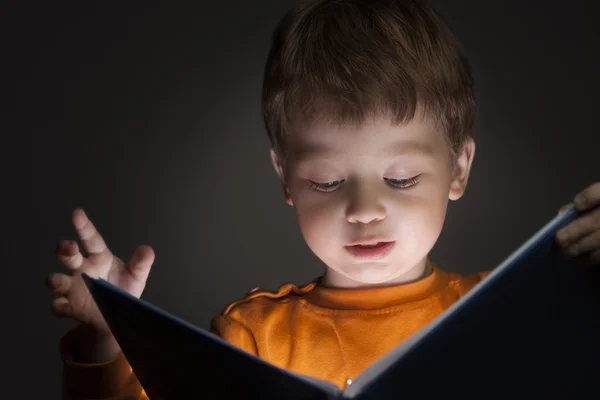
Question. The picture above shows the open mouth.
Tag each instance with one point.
(370, 252)
(370, 246)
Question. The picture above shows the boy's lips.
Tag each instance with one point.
(374, 251)
(369, 241)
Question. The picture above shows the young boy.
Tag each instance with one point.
(370, 112)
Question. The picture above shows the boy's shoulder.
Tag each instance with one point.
(258, 296)
(464, 283)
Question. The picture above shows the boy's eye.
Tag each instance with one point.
(403, 183)
(325, 187)
(396, 183)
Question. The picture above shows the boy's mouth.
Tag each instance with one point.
(372, 251)
(371, 241)
(369, 246)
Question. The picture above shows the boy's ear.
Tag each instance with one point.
(281, 174)
(462, 168)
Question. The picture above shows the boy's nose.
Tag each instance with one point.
(365, 207)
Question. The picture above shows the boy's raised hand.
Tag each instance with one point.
(99, 262)
(581, 237)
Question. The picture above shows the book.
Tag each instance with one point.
(531, 328)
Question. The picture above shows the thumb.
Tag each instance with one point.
(141, 262)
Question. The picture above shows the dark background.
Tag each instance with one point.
(150, 121)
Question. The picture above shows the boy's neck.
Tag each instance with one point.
(332, 278)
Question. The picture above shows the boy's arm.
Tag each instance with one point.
(110, 380)
(234, 332)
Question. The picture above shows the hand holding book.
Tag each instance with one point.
(581, 238)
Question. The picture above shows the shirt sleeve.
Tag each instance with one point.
(234, 332)
(111, 380)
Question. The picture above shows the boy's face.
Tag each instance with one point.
(379, 182)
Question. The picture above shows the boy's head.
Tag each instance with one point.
(370, 111)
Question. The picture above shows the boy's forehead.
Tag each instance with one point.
(414, 138)
(408, 148)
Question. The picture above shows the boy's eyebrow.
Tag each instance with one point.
(402, 148)
(407, 148)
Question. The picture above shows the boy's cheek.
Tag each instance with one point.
(315, 220)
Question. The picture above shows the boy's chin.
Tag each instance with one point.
(376, 275)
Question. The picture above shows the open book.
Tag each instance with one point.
(529, 329)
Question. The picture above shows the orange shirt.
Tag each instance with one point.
(328, 333)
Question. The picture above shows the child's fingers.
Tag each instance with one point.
(69, 255)
(92, 241)
(580, 227)
(587, 244)
(59, 283)
(588, 198)
(61, 307)
(141, 262)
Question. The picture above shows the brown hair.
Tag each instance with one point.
(343, 60)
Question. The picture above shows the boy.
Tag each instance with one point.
(370, 112)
